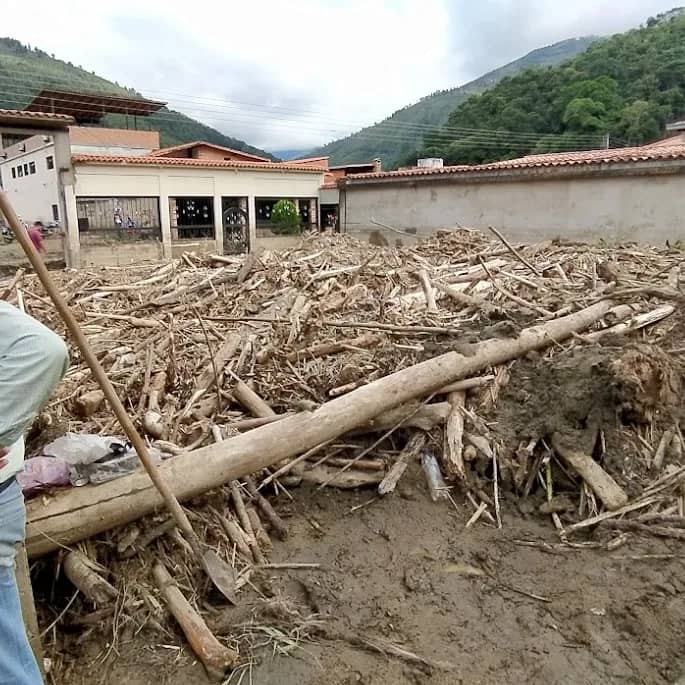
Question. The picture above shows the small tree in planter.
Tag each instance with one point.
(285, 217)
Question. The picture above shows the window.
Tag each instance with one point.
(50, 162)
(26, 169)
(14, 172)
(55, 213)
(20, 171)
(32, 167)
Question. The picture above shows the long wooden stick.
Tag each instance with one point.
(87, 511)
(215, 657)
(100, 376)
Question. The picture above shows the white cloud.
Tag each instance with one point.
(299, 73)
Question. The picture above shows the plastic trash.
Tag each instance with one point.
(436, 483)
(41, 473)
(120, 461)
(80, 448)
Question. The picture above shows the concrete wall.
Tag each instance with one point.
(125, 254)
(32, 196)
(644, 208)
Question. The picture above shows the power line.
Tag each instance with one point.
(410, 130)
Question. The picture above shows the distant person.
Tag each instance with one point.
(36, 235)
(130, 223)
(118, 222)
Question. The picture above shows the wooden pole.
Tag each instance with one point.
(86, 511)
(28, 605)
(215, 568)
(215, 657)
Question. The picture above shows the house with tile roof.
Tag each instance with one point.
(119, 198)
(623, 194)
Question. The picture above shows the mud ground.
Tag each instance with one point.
(492, 606)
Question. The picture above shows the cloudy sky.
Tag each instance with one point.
(299, 73)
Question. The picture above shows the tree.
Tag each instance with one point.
(585, 114)
(640, 122)
(285, 217)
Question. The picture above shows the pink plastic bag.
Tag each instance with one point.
(41, 473)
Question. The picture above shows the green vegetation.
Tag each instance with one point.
(628, 86)
(285, 217)
(399, 135)
(24, 71)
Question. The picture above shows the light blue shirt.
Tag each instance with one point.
(33, 359)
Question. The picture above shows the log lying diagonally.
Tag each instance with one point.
(77, 514)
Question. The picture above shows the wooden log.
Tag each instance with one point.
(228, 348)
(244, 394)
(325, 349)
(428, 291)
(236, 535)
(215, 657)
(410, 452)
(28, 605)
(83, 573)
(83, 512)
(468, 300)
(426, 417)
(262, 537)
(452, 456)
(245, 522)
(634, 324)
(602, 484)
(661, 449)
(278, 525)
(89, 403)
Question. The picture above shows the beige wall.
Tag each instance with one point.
(646, 208)
(121, 181)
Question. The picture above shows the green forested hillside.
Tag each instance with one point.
(628, 86)
(24, 71)
(400, 134)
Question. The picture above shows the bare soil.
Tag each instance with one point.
(505, 605)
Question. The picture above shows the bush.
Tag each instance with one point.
(285, 217)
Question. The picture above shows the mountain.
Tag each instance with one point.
(627, 86)
(24, 71)
(287, 155)
(401, 133)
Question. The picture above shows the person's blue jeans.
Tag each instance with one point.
(17, 663)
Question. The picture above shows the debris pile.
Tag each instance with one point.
(543, 378)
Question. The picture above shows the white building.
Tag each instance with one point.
(28, 175)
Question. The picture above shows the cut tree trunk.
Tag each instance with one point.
(83, 512)
(215, 657)
(453, 458)
(602, 484)
(83, 573)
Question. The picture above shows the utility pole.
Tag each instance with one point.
(607, 140)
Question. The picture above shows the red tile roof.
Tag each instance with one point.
(645, 153)
(154, 161)
(20, 115)
(201, 143)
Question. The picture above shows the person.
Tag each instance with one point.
(36, 235)
(33, 359)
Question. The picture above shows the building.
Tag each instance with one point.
(329, 194)
(122, 199)
(627, 194)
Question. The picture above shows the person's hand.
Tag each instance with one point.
(3, 453)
